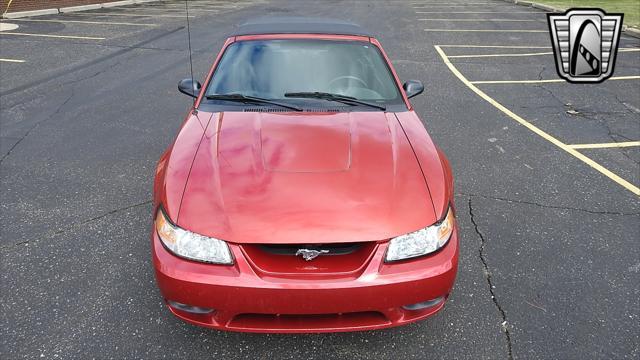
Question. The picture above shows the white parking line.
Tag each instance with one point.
(11, 60)
(54, 36)
(207, 6)
(85, 22)
(203, 6)
(124, 14)
(176, 10)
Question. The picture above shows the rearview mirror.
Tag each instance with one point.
(189, 87)
(413, 88)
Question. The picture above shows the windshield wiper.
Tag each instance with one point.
(250, 99)
(333, 97)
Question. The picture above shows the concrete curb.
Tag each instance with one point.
(535, 5)
(19, 14)
(627, 30)
(631, 31)
(118, 3)
(546, 8)
(54, 11)
(80, 8)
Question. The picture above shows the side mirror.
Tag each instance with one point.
(189, 87)
(413, 88)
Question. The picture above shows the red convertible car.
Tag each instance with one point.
(303, 193)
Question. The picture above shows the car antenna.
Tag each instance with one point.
(186, 6)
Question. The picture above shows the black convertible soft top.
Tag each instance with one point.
(299, 25)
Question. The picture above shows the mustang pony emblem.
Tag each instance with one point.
(310, 254)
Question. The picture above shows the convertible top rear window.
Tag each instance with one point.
(270, 68)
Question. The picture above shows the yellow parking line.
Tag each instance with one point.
(54, 36)
(499, 20)
(627, 185)
(497, 55)
(124, 14)
(525, 54)
(488, 30)
(85, 22)
(605, 145)
(633, 77)
(7, 8)
(496, 46)
(11, 60)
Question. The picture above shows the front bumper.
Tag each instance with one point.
(246, 300)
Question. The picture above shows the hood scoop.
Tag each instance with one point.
(315, 143)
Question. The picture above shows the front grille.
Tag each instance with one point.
(291, 249)
(341, 260)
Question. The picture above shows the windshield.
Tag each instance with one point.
(270, 68)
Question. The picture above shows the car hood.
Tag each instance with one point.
(281, 178)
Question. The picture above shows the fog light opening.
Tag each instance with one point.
(189, 308)
(424, 304)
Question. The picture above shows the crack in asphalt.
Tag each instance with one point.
(487, 274)
(549, 91)
(88, 64)
(610, 133)
(631, 109)
(111, 212)
(593, 117)
(34, 126)
(116, 46)
(72, 82)
(101, 71)
(596, 212)
(7, 248)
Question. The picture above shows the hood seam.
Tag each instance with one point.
(184, 189)
(419, 165)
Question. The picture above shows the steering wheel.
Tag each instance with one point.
(347, 77)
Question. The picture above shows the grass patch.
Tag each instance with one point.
(630, 8)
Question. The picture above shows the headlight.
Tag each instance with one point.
(191, 245)
(423, 241)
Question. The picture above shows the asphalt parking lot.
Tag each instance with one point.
(547, 177)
